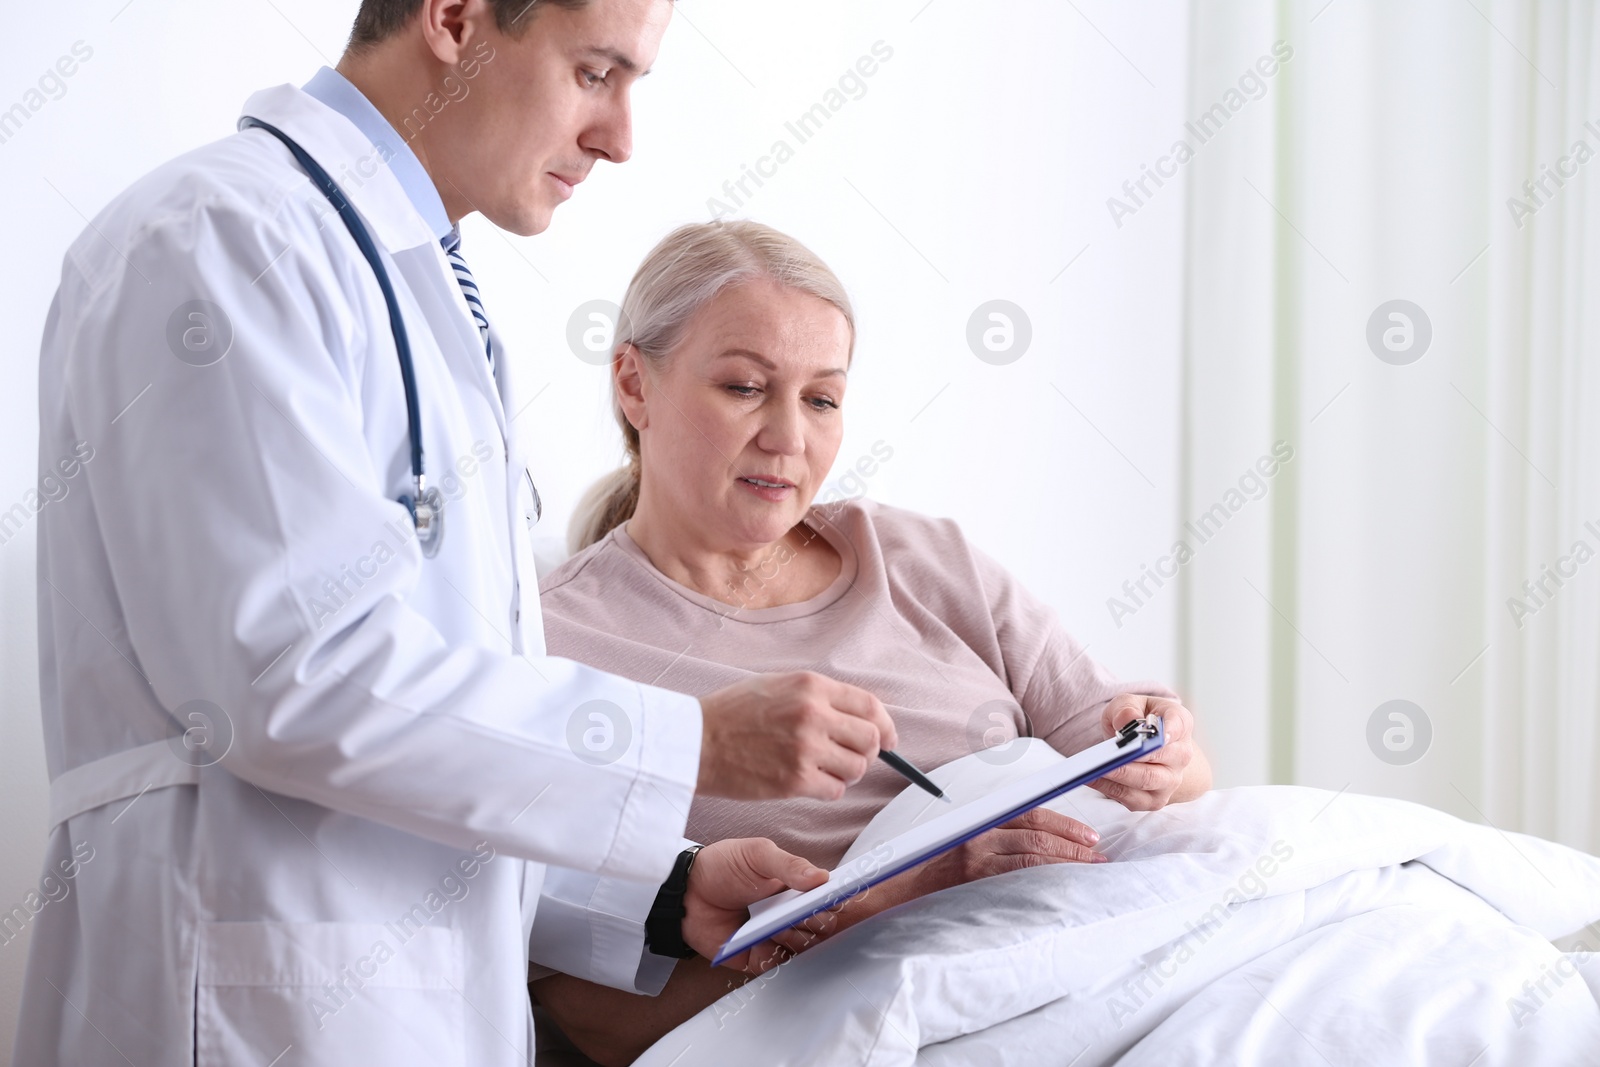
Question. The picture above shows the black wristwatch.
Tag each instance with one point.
(663, 927)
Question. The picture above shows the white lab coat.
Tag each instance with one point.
(351, 883)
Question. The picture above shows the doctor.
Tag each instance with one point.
(317, 793)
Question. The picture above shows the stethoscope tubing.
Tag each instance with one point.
(363, 239)
(425, 504)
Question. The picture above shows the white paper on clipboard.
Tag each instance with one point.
(920, 843)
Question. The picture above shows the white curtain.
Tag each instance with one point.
(1392, 257)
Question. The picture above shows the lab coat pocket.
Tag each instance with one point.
(328, 993)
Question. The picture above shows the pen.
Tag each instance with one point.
(915, 776)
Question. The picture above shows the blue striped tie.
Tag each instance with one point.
(452, 249)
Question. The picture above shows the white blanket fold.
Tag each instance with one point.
(1264, 925)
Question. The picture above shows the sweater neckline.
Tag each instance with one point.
(849, 566)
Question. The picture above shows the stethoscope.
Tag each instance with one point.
(424, 502)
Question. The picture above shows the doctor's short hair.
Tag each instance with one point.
(377, 20)
(690, 266)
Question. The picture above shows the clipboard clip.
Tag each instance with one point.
(1137, 728)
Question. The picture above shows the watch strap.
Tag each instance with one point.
(663, 927)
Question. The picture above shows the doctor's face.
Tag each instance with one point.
(545, 109)
(740, 423)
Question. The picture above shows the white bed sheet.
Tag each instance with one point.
(1264, 925)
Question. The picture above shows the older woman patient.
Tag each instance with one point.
(705, 561)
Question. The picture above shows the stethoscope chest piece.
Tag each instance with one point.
(427, 515)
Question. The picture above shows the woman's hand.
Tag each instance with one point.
(1033, 839)
(789, 735)
(1176, 771)
(729, 876)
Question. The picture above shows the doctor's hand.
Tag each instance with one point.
(1176, 771)
(789, 735)
(729, 876)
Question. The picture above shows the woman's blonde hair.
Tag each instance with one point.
(681, 275)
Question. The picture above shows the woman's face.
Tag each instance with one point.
(741, 422)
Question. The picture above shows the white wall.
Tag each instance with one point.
(975, 166)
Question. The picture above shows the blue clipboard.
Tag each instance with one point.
(1134, 741)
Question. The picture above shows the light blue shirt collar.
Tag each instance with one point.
(336, 91)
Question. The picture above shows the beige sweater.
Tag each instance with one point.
(960, 653)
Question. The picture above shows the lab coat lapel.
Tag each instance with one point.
(374, 191)
(352, 161)
(432, 281)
